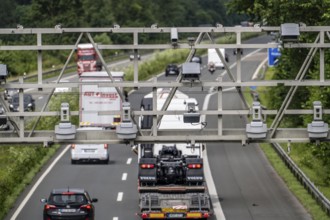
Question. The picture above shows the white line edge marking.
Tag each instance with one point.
(124, 177)
(129, 161)
(115, 218)
(209, 179)
(42, 177)
(120, 196)
(207, 171)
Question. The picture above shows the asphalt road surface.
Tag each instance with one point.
(247, 186)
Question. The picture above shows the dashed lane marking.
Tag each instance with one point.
(120, 196)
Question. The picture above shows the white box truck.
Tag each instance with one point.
(214, 58)
(95, 98)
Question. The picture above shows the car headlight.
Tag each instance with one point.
(11, 106)
(30, 105)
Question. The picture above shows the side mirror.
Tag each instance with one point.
(95, 200)
(43, 200)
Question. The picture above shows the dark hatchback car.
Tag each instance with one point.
(69, 204)
(172, 69)
(29, 104)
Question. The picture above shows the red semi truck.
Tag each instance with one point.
(87, 59)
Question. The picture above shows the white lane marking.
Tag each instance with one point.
(261, 65)
(42, 177)
(208, 176)
(120, 196)
(209, 179)
(124, 177)
(129, 161)
(115, 218)
(212, 190)
(243, 58)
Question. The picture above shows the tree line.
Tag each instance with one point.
(99, 13)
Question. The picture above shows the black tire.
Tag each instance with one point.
(73, 161)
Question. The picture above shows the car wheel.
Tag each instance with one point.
(73, 161)
(106, 161)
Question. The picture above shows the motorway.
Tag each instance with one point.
(246, 185)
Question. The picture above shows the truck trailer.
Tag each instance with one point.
(95, 98)
(171, 180)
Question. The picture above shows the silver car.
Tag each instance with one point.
(89, 152)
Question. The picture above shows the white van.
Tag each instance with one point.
(214, 58)
(89, 152)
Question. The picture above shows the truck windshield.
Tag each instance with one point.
(86, 57)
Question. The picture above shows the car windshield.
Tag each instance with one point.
(87, 57)
(67, 198)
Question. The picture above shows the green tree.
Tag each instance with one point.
(7, 14)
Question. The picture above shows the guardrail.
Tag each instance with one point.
(303, 179)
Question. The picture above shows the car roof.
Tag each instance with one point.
(72, 190)
(25, 95)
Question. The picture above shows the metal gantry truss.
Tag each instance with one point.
(275, 134)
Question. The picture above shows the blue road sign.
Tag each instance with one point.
(273, 54)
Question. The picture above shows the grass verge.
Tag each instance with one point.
(293, 184)
(18, 187)
(298, 153)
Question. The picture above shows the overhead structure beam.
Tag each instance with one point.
(275, 134)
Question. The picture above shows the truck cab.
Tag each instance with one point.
(87, 59)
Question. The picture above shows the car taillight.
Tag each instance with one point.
(73, 146)
(105, 146)
(147, 166)
(194, 166)
(144, 215)
(88, 207)
(206, 215)
(47, 207)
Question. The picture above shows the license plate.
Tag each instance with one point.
(156, 215)
(175, 215)
(68, 210)
(89, 150)
(173, 210)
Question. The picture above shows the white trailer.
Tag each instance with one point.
(95, 98)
